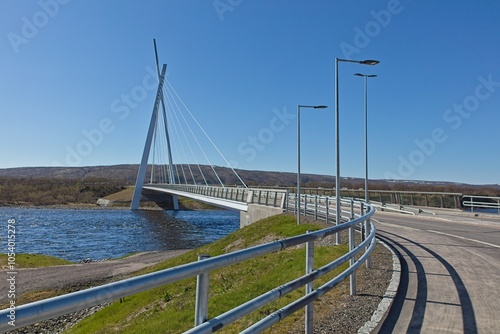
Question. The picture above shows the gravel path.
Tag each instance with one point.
(74, 276)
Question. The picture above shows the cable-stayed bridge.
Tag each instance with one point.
(174, 133)
(438, 291)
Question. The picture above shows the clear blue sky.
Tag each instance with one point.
(242, 67)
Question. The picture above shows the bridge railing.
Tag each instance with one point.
(57, 306)
(402, 197)
(324, 207)
(481, 202)
(268, 197)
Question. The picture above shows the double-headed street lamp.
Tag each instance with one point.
(366, 76)
(298, 156)
(338, 208)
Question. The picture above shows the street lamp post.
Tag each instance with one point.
(366, 76)
(297, 205)
(337, 145)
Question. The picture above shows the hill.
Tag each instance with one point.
(126, 174)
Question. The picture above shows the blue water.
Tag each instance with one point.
(109, 233)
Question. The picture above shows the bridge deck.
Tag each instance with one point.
(235, 198)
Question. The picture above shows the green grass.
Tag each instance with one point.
(170, 309)
(33, 261)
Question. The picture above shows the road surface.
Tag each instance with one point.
(450, 272)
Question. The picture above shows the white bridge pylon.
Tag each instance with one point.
(158, 146)
(147, 147)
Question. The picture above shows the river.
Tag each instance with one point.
(78, 234)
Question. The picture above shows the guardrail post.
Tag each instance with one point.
(352, 209)
(309, 309)
(367, 232)
(315, 207)
(305, 205)
(363, 224)
(352, 277)
(201, 309)
(285, 201)
(327, 204)
(296, 201)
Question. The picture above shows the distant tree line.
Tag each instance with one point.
(51, 191)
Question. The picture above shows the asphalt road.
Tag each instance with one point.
(450, 272)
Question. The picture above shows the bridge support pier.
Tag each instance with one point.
(257, 212)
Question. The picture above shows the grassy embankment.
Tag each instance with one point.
(170, 309)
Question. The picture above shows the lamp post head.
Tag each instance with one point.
(314, 107)
(369, 62)
(365, 75)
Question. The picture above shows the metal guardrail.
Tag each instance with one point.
(268, 197)
(481, 202)
(323, 207)
(403, 197)
(57, 306)
(400, 208)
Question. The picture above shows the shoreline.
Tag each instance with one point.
(89, 207)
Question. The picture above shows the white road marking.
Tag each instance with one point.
(438, 232)
(464, 238)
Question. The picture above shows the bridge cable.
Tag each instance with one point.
(176, 148)
(208, 137)
(197, 142)
(176, 117)
(183, 152)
